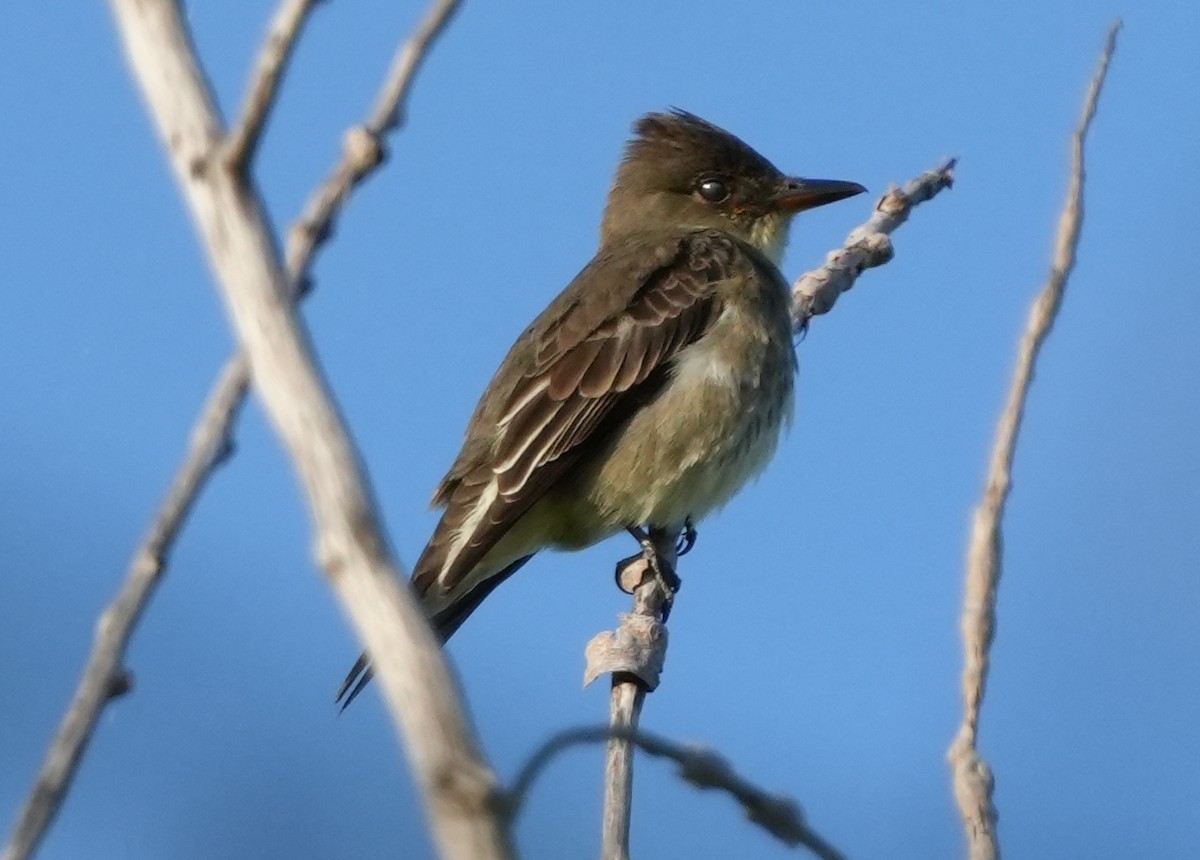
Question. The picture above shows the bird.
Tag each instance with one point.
(650, 391)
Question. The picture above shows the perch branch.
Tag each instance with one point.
(780, 816)
(867, 246)
(973, 780)
(104, 676)
(634, 655)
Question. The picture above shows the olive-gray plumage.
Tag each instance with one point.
(650, 390)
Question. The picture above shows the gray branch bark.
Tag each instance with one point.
(456, 784)
(779, 815)
(973, 778)
(868, 245)
(641, 643)
(273, 60)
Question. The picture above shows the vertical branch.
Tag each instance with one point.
(634, 656)
(456, 784)
(624, 711)
(973, 781)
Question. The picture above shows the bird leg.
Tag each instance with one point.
(629, 576)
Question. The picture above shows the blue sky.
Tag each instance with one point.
(816, 640)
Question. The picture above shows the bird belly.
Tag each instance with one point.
(712, 428)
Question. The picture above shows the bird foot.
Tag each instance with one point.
(631, 573)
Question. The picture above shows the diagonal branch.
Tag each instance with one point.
(282, 36)
(867, 246)
(104, 677)
(365, 146)
(455, 782)
(780, 816)
(973, 780)
(211, 443)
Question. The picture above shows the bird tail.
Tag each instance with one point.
(445, 622)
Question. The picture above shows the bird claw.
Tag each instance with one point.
(687, 538)
(626, 577)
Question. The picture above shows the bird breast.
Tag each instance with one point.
(712, 428)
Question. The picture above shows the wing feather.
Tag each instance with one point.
(634, 360)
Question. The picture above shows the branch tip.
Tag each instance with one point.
(867, 246)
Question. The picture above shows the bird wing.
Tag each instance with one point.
(598, 352)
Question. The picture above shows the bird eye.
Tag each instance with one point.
(712, 190)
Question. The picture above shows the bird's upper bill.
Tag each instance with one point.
(798, 194)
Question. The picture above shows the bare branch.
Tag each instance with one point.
(282, 36)
(867, 246)
(350, 544)
(364, 147)
(211, 443)
(104, 673)
(780, 816)
(973, 780)
(389, 106)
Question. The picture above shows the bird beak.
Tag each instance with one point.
(796, 194)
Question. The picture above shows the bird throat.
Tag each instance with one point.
(769, 234)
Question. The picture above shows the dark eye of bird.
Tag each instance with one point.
(712, 190)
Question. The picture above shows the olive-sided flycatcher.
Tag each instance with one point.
(651, 390)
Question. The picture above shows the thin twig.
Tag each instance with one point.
(780, 816)
(365, 146)
(393, 97)
(104, 673)
(973, 779)
(456, 784)
(282, 36)
(211, 442)
(867, 246)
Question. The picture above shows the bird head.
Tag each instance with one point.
(680, 171)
